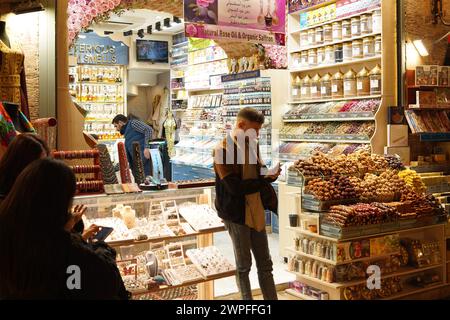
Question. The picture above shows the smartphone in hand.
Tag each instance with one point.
(103, 233)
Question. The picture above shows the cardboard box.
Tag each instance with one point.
(427, 75)
(397, 135)
(444, 76)
(403, 152)
(426, 99)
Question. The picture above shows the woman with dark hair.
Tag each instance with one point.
(23, 150)
(40, 259)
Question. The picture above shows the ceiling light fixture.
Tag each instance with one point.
(141, 33)
(158, 26)
(176, 20)
(167, 24)
(108, 32)
(128, 33)
(420, 47)
(150, 29)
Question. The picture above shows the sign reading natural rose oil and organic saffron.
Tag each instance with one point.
(257, 21)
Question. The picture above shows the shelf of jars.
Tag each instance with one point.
(341, 56)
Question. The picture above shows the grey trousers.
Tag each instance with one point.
(246, 240)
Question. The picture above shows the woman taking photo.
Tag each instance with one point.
(38, 255)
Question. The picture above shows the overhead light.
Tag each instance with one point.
(167, 23)
(176, 20)
(420, 47)
(141, 33)
(81, 36)
(28, 7)
(150, 29)
(145, 84)
(128, 33)
(108, 32)
(89, 31)
(158, 26)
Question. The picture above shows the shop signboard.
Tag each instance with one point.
(255, 21)
(90, 48)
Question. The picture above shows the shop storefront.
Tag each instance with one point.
(355, 96)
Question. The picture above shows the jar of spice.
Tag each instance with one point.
(327, 33)
(315, 87)
(325, 86)
(378, 45)
(369, 47)
(303, 39)
(319, 35)
(348, 53)
(312, 57)
(337, 85)
(356, 26)
(366, 23)
(357, 49)
(329, 55)
(350, 84)
(296, 88)
(375, 80)
(376, 21)
(306, 88)
(337, 31)
(346, 29)
(320, 55)
(363, 82)
(338, 53)
(311, 37)
(304, 59)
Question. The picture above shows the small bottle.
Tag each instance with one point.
(304, 58)
(329, 55)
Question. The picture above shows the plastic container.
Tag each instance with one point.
(369, 47)
(325, 86)
(357, 49)
(346, 29)
(304, 43)
(366, 23)
(312, 57)
(304, 59)
(296, 88)
(315, 87)
(363, 82)
(348, 53)
(375, 80)
(350, 84)
(378, 45)
(338, 53)
(320, 56)
(329, 55)
(311, 37)
(327, 33)
(337, 31)
(376, 21)
(319, 35)
(306, 88)
(356, 26)
(337, 85)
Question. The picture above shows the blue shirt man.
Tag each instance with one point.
(135, 131)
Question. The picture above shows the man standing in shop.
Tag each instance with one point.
(135, 130)
(243, 192)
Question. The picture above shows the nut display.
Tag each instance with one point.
(413, 179)
(334, 188)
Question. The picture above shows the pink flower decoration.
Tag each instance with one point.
(191, 30)
(204, 3)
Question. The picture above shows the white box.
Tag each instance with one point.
(397, 135)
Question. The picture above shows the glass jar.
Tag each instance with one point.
(312, 57)
(369, 47)
(357, 49)
(366, 23)
(350, 84)
(296, 61)
(378, 45)
(337, 85)
(376, 21)
(296, 88)
(347, 51)
(320, 56)
(311, 37)
(304, 39)
(338, 53)
(375, 80)
(325, 86)
(329, 55)
(363, 82)
(356, 26)
(315, 87)
(337, 31)
(346, 29)
(319, 35)
(327, 33)
(304, 59)
(306, 88)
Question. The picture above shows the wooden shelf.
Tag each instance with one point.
(323, 45)
(311, 234)
(186, 284)
(297, 294)
(413, 290)
(317, 6)
(376, 96)
(336, 65)
(181, 44)
(334, 20)
(338, 285)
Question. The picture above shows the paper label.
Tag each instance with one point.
(359, 85)
(334, 88)
(313, 90)
(374, 84)
(347, 86)
(323, 90)
(304, 91)
(294, 92)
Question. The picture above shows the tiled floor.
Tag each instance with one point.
(228, 286)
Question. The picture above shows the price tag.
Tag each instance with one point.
(323, 90)
(359, 85)
(334, 88)
(313, 90)
(304, 91)
(374, 84)
(347, 86)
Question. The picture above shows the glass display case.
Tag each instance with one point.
(163, 241)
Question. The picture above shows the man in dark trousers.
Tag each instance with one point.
(241, 186)
(135, 130)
